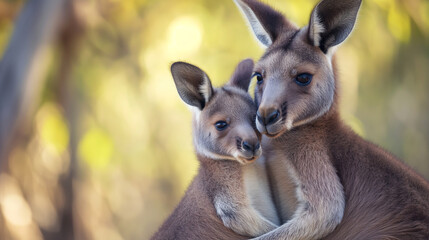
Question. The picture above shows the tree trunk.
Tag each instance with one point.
(23, 66)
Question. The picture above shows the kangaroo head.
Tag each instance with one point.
(295, 77)
(224, 117)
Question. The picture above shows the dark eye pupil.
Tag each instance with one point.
(303, 79)
(259, 78)
(221, 125)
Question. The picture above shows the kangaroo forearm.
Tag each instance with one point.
(320, 208)
(242, 218)
(249, 225)
(305, 227)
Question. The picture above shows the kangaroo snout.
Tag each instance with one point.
(250, 149)
(268, 117)
(269, 120)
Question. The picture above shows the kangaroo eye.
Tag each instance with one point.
(259, 78)
(221, 125)
(303, 79)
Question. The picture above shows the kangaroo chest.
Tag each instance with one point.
(257, 189)
(284, 182)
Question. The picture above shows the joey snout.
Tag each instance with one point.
(249, 150)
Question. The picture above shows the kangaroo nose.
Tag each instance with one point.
(269, 118)
(251, 147)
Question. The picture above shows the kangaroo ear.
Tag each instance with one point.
(192, 83)
(242, 75)
(267, 24)
(331, 22)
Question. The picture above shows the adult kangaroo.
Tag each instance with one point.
(346, 187)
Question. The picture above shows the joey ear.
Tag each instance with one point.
(242, 74)
(331, 22)
(267, 24)
(192, 83)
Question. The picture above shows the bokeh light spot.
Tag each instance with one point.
(96, 148)
(52, 128)
(399, 24)
(16, 210)
(184, 36)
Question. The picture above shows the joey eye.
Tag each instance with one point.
(221, 125)
(259, 78)
(303, 79)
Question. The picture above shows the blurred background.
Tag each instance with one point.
(95, 142)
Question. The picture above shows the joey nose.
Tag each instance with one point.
(247, 146)
(251, 147)
(269, 117)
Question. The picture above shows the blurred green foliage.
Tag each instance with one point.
(135, 148)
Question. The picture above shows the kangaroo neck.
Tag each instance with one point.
(218, 170)
(219, 176)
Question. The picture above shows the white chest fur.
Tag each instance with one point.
(258, 190)
(285, 183)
